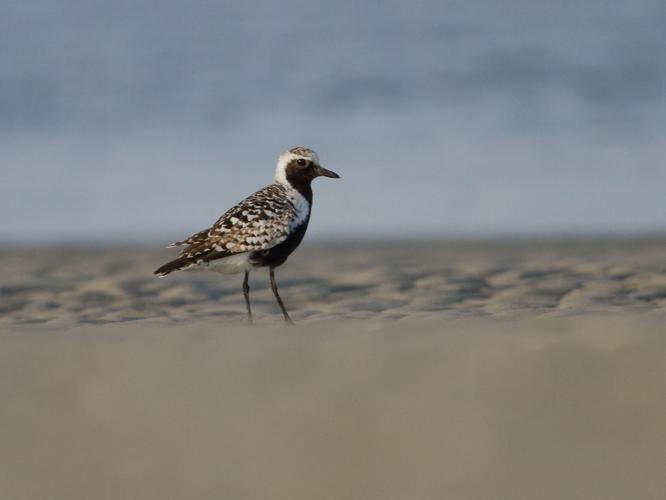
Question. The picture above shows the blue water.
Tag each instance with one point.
(146, 119)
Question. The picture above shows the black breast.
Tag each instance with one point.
(277, 255)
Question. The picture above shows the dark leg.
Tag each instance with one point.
(246, 294)
(287, 319)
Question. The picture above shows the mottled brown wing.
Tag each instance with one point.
(259, 222)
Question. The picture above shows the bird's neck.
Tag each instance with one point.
(301, 186)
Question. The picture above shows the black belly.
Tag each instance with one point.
(277, 255)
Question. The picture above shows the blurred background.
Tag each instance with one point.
(144, 120)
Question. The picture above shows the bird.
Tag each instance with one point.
(260, 231)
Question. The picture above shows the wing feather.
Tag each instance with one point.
(259, 222)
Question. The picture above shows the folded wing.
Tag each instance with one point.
(261, 221)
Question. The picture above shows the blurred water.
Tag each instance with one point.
(146, 119)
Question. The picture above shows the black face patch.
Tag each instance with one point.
(300, 170)
(300, 176)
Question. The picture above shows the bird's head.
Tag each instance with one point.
(300, 165)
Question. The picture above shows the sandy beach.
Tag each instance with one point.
(392, 281)
(421, 370)
(509, 343)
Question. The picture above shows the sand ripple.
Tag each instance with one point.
(354, 281)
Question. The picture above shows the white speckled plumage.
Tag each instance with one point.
(259, 222)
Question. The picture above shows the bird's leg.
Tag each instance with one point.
(287, 319)
(246, 294)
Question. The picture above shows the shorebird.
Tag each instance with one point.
(260, 231)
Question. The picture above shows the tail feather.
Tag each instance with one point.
(175, 265)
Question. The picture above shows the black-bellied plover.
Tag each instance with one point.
(260, 231)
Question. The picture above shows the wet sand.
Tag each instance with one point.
(467, 409)
(467, 371)
(392, 281)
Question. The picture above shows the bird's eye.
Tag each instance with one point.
(301, 162)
